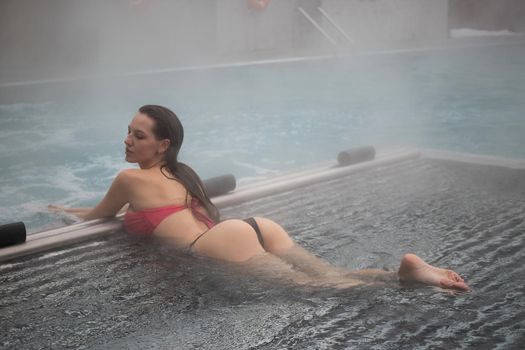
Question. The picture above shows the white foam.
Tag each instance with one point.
(22, 210)
(45, 139)
(64, 251)
(73, 182)
(109, 162)
(65, 179)
(24, 107)
(258, 170)
(7, 266)
(61, 178)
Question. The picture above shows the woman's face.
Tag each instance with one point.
(141, 145)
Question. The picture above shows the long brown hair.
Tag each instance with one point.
(168, 126)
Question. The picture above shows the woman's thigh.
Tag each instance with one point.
(230, 240)
(276, 239)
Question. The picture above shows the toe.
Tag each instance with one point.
(461, 286)
(446, 283)
(451, 284)
(454, 276)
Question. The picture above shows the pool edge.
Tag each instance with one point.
(64, 236)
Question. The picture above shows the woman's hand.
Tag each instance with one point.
(56, 208)
(78, 212)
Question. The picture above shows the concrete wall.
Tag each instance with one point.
(488, 14)
(241, 28)
(54, 38)
(369, 22)
(282, 27)
(63, 38)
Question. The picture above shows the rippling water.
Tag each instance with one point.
(63, 142)
(127, 293)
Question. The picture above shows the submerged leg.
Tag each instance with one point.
(278, 242)
(297, 264)
(269, 266)
(412, 268)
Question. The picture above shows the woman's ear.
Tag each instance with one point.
(164, 145)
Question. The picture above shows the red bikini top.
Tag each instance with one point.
(145, 221)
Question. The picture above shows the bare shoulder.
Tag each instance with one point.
(130, 174)
(128, 177)
(133, 178)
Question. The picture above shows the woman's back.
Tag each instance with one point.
(155, 196)
(151, 188)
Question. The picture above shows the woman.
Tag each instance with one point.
(166, 198)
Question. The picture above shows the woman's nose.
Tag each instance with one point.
(127, 140)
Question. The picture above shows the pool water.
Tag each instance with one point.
(124, 293)
(63, 142)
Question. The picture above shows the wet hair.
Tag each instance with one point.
(168, 126)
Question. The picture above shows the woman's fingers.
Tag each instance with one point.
(54, 207)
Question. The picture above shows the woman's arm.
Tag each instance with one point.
(78, 212)
(114, 200)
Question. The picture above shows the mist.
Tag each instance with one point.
(67, 39)
(266, 90)
(261, 89)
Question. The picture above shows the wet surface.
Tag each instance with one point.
(62, 143)
(126, 293)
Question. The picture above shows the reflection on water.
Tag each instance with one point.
(125, 292)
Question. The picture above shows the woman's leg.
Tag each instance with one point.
(412, 268)
(319, 272)
(230, 240)
(236, 241)
(278, 242)
(271, 267)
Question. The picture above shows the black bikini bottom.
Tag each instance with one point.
(250, 221)
(253, 224)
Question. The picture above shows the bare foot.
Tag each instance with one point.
(414, 269)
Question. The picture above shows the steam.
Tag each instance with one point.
(252, 87)
(69, 39)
